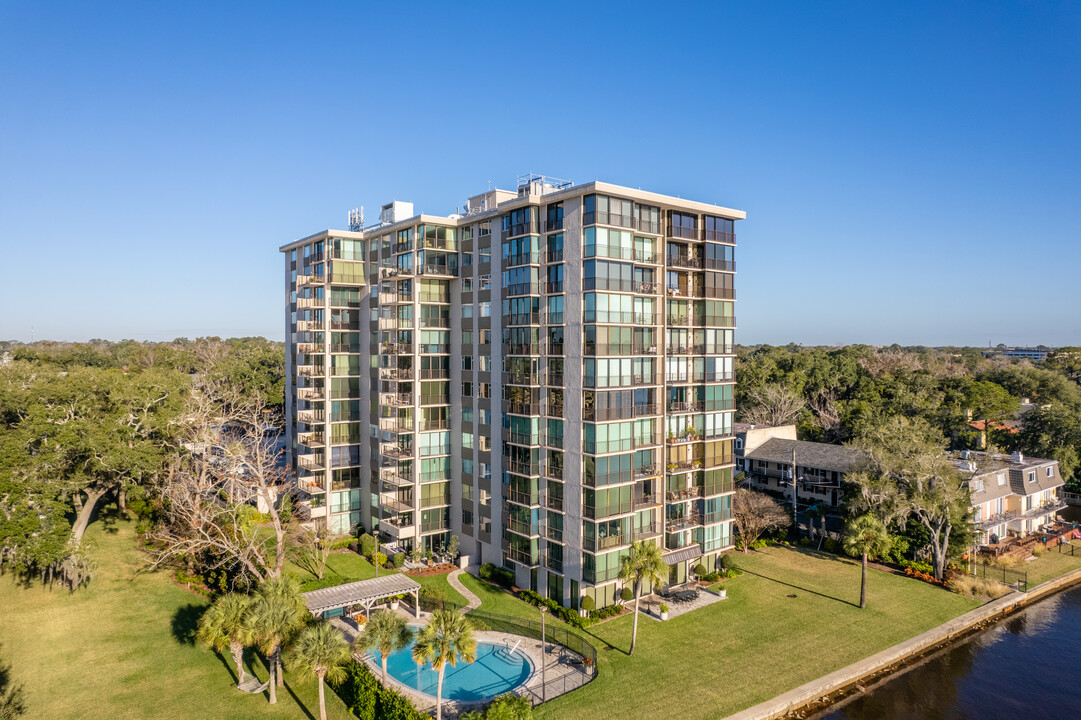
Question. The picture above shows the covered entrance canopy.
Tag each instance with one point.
(363, 593)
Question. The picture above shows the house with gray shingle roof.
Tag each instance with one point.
(767, 454)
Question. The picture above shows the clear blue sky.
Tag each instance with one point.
(911, 171)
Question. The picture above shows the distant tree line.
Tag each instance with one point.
(843, 394)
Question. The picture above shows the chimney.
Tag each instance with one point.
(1017, 457)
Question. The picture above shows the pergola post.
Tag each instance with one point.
(416, 604)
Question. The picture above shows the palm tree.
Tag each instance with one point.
(321, 650)
(447, 637)
(866, 536)
(386, 632)
(277, 613)
(286, 589)
(225, 625)
(642, 564)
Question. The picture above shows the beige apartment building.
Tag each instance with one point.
(548, 376)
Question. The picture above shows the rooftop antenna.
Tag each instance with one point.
(356, 219)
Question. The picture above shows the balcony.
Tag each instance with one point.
(521, 378)
(396, 529)
(719, 236)
(646, 471)
(396, 399)
(393, 450)
(527, 439)
(307, 509)
(311, 348)
(699, 349)
(642, 502)
(311, 302)
(312, 439)
(435, 526)
(311, 462)
(312, 416)
(684, 261)
(523, 468)
(682, 522)
(396, 373)
(683, 494)
(394, 477)
(517, 497)
(522, 408)
(526, 558)
(394, 505)
(311, 281)
(311, 393)
(687, 406)
(311, 485)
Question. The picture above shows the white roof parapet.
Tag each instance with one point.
(358, 593)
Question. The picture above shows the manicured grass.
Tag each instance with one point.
(758, 643)
(496, 600)
(1051, 564)
(121, 648)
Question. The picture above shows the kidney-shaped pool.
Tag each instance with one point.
(497, 670)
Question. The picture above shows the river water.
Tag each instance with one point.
(1025, 666)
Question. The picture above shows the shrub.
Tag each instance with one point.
(368, 700)
(724, 562)
(435, 594)
(712, 577)
(380, 559)
(976, 587)
(367, 545)
(588, 603)
(664, 607)
(626, 593)
(832, 546)
(399, 559)
(1038, 549)
(499, 575)
(918, 567)
(341, 543)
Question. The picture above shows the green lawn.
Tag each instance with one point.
(758, 643)
(1051, 564)
(121, 648)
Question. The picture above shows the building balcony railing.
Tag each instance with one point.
(687, 406)
(646, 471)
(395, 478)
(312, 439)
(534, 499)
(435, 526)
(311, 393)
(699, 349)
(526, 558)
(311, 416)
(684, 261)
(522, 408)
(396, 373)
(395, 451)
(682, 522)
(435, 399)
(553, 225)
(393, 506)
(311, 302)
(723, 265)
(311, 462)
(645, 501)
(553, 503)
(683, 494)
(310, 348)
(397, 399)
(719, 236)
(554, 379)
(311, 485)
(623, 221)
(553, 256)
(528, 439)
(555, 472)
(442, 373)
(524, 468)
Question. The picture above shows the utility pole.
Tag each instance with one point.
(795, 522)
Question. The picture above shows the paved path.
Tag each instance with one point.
(472, 601)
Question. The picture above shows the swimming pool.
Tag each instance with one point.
(496, 671)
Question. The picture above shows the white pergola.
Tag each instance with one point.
(363, 593)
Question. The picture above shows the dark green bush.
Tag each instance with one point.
(367, 545)
(625, 594)
(588, 603)
(399, 559)
(700, 570)
(368, 700)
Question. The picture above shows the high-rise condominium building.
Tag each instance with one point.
(548, 376)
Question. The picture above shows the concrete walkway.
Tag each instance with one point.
(472, 601)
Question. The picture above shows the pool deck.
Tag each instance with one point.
(560, 676)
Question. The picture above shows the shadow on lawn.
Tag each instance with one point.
(798, 587)
(186, 622)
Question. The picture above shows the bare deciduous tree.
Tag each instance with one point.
(824, 407)
(221, 495)
(772, 405)
(755, 514)
(312, 549)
